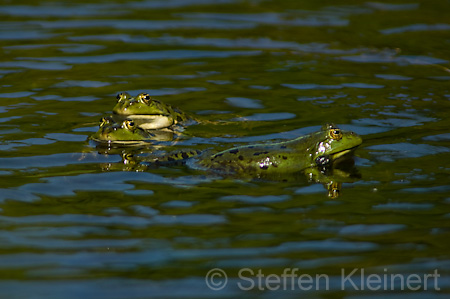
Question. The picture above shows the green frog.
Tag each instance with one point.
(125, 133)
(148, 113)
(319, 156)
(316, 149)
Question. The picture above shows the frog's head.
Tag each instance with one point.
(332, 142)
(119, 132)
(142, 104)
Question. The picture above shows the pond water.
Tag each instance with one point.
(76, 222)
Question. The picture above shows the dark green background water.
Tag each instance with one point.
(75, 224)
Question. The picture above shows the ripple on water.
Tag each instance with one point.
(326, 261)
(362, 85)
(442, 189)
(139, 192)
(393, 152)
(69, 99)
(396, 120)
(15, 33)
(105, 181)
(166, 91)
(115, 288)
(18, 94)
(404, 206)
(61, 11)
(251, 210)
(65, 137)
(438, 137)
(310, 18)
(393, 77)
(54, 160)
(392, 7)
(392, 58)
(149, 55)
(176, 204)
(253, 263)
(144, 24)
(26, 142)
(373, 229)
(323, 87)
(85, 84)
(36, 65)
(80, 48)
(255, 199)
(244, 103)
(144, 210)
(220, 82)
(416, 27)
(311, 86)
(238, 43)
(121, 220)
(266, 117)
(327, 246)
(313, 188)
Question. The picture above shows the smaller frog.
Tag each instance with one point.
(125, 133)
(148, 113)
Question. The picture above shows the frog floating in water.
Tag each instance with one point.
(125, 133)
(317, 149)
(148, 113)
(319, 156)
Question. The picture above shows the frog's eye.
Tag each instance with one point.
(328, 126)
(122, 96)
(129, 124)
(104, 121)
(145, 98)
(335, 134)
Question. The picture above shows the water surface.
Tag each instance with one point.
(77, 223)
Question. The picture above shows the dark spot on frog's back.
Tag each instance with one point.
(283, 146)
(241, 157)
(234, 151)
(184, 155)
(260, 153)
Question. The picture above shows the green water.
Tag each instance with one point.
(76, 223)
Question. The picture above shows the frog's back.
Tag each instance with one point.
(267, 159)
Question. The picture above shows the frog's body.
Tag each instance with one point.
(148, 113)
(315, 149)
